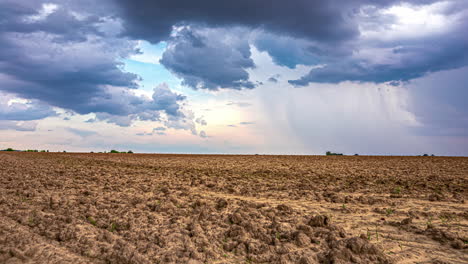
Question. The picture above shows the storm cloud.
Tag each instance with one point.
(209, 44)
(210, 51)
(58, 56)
(210, 58)
(398, 56)
(325, 20)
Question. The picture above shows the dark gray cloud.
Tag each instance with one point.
(35, 66)
(44, 16)
(165, 99)
(331, 20)
(325, 20)
(288, 51)
(246, 123)
(411, 61)
(69, 58)
(210, 58)
(395, 58)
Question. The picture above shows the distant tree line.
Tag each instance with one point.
(28, 150)
(35, 150)
(115, 151)
(329, 153)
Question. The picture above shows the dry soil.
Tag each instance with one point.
(138, 208)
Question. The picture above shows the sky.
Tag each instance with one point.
(383, 77)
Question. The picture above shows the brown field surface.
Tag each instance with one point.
(138, 208)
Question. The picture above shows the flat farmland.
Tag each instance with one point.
(154, 208)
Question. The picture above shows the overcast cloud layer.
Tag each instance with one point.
(68, 56)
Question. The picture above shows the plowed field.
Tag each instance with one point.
(138, 208)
